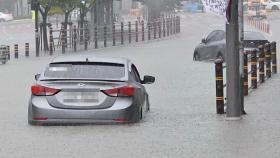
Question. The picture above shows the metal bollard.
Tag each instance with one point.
(122, 33)
(9, 52)
(155, 29)
(163, 25)
(174, 25)
(143, 30)
(268, 60)
(75, 38)
(86, 38)
(95, 37)
(274, 57)
(136, 31)
(261, 64)
(16, 51)
(245, 72)
(219, 86)
(168, 26)
(63, 40)
(114, 34)
(51, 41)
(254, 79)
(105, 36)
(159, 29)
(26, 49)
(171, 26)
(149, 31)
(129, 32)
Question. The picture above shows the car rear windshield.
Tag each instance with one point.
(85, 70)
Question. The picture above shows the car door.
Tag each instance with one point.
(213, 44)
(142, 95)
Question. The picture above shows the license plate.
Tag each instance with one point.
(81, 97)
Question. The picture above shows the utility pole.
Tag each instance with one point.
(233, 63)
(241, 51)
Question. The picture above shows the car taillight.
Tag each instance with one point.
(126, 91)
(43, 91)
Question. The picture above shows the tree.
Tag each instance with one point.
(67, 6)
(44, 8)
(85, 6)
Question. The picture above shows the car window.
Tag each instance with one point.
(135, 74)
(104, 71)
(216, 36)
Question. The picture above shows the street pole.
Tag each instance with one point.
(233, 63)
(241, 51)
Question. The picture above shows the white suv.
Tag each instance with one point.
(273, 4)
(5, 17)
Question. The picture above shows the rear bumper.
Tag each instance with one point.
(40, 113)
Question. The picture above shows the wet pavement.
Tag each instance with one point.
(182, 121)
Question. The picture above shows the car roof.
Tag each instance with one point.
(90, 58)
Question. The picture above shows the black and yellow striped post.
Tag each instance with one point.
(75, 38)
(95, 37)
(268, 60)
(261, 64)
(143, 30)
(219, 86)
(136, 31)
(254, 78)
(273, 57)
(16, 51)
(105, 36)
(129, 32)
(245, 72)
(26, 49)
(122, 40)
(114, 34)
(149, 31)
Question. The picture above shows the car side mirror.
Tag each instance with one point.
(37, 76)
(203, 40)
(148, 80)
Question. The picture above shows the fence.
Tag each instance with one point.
(259, 65)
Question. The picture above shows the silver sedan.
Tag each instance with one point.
(88, 89)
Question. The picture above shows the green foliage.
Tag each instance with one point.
(55, 10)
(68, 5)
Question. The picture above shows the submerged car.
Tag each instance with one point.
(214, 45)
(89, 89)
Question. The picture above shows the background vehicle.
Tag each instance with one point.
(5, 17)
(214, 46)
(273, 4)
(89, 90)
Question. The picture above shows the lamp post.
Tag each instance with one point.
(233, 76)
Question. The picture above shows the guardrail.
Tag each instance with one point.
(259, 65)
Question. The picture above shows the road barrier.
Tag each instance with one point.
(89, 37)
(260, 25)
(257, 61)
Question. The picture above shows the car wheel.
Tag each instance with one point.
(275, 7)
(196, 57)
(3, 62)
(138, 115)
(2, 20)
